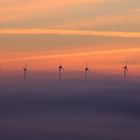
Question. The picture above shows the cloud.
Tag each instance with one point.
(36, 31)
(100, 21)
(66, 54)
(26, 10)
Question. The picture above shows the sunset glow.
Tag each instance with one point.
(103, 32)
(69, 69)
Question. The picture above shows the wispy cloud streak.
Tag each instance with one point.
(71, 32)
(91, 53)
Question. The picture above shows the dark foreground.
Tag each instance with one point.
(70, 110)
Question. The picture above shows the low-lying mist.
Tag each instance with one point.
(101, 107)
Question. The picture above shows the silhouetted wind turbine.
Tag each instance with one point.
(125, 70)
(60, 68)
(86, 71)
(25, 69)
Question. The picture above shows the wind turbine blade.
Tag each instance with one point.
(86, 63)
(127, 72)
(126, 62)
(91, 68)
(60, 63)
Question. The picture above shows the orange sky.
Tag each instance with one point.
(104, 33)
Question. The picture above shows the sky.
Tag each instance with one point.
(40, 33)
(104, 34)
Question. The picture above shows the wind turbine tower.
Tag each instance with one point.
(25, 69)
(60, 68)
(86, 71)
(125, 70)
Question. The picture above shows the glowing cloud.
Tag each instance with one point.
(91, 53)
(71, 32)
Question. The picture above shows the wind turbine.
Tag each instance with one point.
(86, 71)
(25, 69)
(60, 68)
(125, 70)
